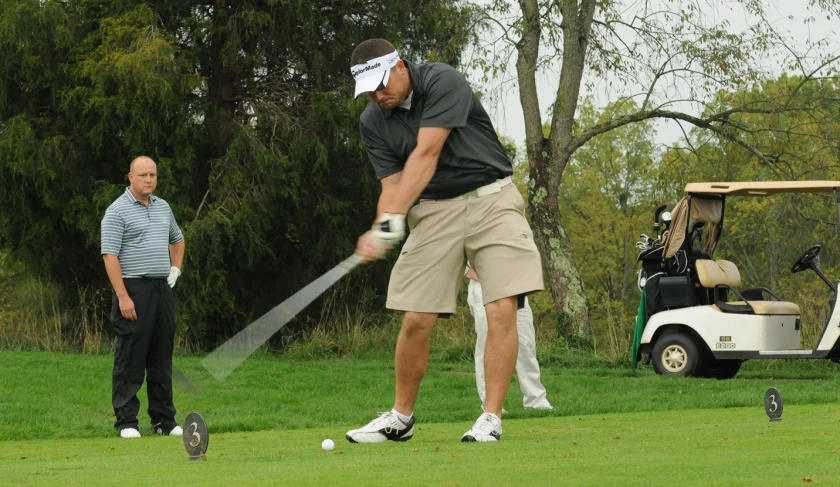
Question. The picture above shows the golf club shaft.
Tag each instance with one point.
(225, 359)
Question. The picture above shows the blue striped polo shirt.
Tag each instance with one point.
(140, 235)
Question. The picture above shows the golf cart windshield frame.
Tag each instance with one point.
(757, 189)
(762, 188)
(719, 224)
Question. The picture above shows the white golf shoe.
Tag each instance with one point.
(488, 427)
(388, 426)
(129, 433)
(176, 431)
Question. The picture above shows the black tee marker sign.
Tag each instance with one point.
(195, 436)
(773, 404)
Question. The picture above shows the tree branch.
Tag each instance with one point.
(707, 123)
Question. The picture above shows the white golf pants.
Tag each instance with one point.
(527, 368)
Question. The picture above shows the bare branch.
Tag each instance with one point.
(705, 123)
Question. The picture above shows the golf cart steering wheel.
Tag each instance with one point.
(806, 260)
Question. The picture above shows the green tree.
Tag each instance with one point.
(247, 108)
(764, 236)
(610, 189)
(660, 53)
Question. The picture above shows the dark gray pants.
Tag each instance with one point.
(144, 347)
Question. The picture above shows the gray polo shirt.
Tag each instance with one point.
(140, 235)
(472, 155)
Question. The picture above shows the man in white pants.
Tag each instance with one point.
(527, 368)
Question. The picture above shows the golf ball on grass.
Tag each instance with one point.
(327, 444)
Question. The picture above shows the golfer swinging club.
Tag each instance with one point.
(431, 142)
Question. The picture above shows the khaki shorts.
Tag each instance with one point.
(490, 231)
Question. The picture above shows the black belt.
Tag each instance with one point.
(146, 278)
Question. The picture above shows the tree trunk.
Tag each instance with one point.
(626, 240)
(563, 278)
(221, 93)
(546, 167)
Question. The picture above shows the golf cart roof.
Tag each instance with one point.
(762, 188)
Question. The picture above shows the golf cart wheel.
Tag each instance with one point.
(723, 369)
(676, 354)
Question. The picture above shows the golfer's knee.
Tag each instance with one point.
(418, 324)
(503, 311)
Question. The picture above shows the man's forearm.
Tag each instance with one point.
(416, 174)
(386, 200)
(176, 254)
(112, 267)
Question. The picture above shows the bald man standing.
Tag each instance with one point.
(143, 250)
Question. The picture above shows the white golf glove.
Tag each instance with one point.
(174, 274)
(390, 230)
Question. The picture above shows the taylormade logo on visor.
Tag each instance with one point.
(357, 72)
(376, 65)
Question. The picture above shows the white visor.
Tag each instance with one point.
(373, 75)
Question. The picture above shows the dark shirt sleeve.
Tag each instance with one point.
(385, 162)
(448, 99)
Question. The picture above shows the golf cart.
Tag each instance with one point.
(694, 320)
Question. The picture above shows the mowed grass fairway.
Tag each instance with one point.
(267, 422)
(694, 447)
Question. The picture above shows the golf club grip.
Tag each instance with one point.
(228, 356)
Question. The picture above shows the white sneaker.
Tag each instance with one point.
(129, 433)
(388, 426)
(488, 427)
(176, 431)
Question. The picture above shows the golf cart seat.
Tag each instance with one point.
(723, 275)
